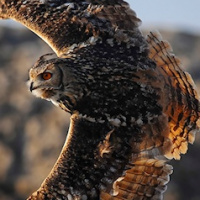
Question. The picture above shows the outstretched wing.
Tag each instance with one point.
(96, 164)
(66, 25)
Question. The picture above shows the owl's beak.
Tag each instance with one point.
(31, 87)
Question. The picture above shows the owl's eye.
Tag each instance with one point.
(46, 75)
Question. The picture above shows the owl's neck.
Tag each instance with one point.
(82, 169)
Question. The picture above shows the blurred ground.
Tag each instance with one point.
(32, 131)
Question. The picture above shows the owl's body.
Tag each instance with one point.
(128, 117)
(132, 106)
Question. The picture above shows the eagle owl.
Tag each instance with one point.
(132, 106)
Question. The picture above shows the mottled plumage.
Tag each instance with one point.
(133, 108)
(67, 25)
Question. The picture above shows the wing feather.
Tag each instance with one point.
(183, 105)
(64, 25)
(147, 179)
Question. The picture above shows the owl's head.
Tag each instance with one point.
(52, 79)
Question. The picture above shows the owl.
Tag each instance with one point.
(132, 107)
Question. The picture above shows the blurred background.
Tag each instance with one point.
(32, 131)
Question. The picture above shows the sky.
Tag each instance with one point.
(170, 14)
(174, 14)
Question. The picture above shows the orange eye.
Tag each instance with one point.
(46, 75)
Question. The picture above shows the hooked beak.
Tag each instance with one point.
(31, 87)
